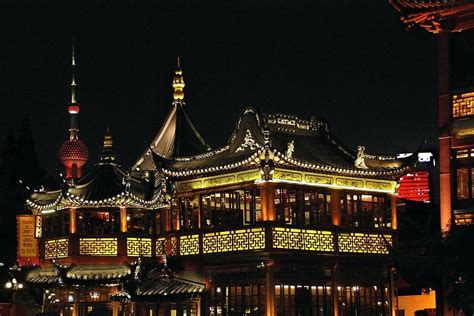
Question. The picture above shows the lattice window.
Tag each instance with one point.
(98, 246)
(173, 246)
(364, 243)
(189, 245)
(234, 240)
(463, 104)
(138, 247)
(160, 246)
(303, 239)
(56, 248)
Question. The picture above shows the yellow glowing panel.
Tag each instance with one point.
(303, 239)
(189, 245)
(465, 132)
(98, 246)
(56, 248)
(234, 240)
(138, 247)
(160, 246)
(463, 104)
(173, 246)
(364, 243)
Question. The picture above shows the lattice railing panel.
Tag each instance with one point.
(364, 243)
(463, 104)
(189, 245)
(303, 239)
(160, 246)
(98, 246)
(234, 240)
(56, 248)
(139, 247)
(173, 246)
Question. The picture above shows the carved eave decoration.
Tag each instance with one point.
(436, 16)
(250, 147)
(124, 199)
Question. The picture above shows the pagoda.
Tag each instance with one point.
(282, 219)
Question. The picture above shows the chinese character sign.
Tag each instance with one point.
(28, 253)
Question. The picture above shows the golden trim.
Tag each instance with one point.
(292, 176)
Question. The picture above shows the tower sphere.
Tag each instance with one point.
(73, 152)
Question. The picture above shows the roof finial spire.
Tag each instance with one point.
(108, 153)
(178, 83)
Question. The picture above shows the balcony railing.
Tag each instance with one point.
(266, 237)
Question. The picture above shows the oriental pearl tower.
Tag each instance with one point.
(73, 153)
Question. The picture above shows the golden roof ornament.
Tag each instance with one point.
(108, 153)
(108, 142)
(178, 83)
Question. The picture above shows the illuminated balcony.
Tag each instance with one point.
(261, 238)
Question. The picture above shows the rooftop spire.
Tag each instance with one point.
(108, 152)
(178, 83)
(73, 81)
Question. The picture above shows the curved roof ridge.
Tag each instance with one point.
(177, 137)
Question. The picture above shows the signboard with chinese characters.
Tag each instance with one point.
(28, 252)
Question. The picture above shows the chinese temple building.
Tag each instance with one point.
(283, 219)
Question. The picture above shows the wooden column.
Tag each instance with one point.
(336, 208)
(269, 289)
(72, 221)
(123, 220)
(75, 305)
(393, 206)
(175, 218)
(167, 219)
(197, 203)
(115, 308)
(335, 298)
(444, 114)
(267, 198)
(393, 298)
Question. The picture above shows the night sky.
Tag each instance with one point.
(349, 62)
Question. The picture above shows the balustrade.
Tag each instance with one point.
(264, 237)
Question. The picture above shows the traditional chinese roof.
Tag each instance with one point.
(77, 274)
(178, 136)
(159, 284)
(436, 15)
(107, 185)
(288, 141)
(170, 288)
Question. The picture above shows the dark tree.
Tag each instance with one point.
(19, 175)
(27, 166)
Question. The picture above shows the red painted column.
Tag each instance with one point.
(267, 196)
(393, 207)
(336, 208)
(444, 113)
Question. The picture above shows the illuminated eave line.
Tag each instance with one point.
(290, 161)
(338, 170)
(122, 200)
(211, 169)
(332, 186)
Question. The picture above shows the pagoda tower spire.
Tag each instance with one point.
(178, 83)
(73, 108)
(73, 153)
